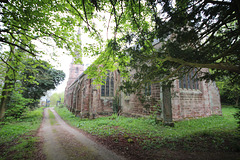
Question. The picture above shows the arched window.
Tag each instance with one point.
(107, 89)
(189, 81)
(148, 91)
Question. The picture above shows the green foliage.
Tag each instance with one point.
(31, 78)
(116, 103)
(192, 34)
(55, 97)
(45, 78)
(61, 106)
(237, 116)
(152, 135)
(26, 21)
(17, 106)
(229, 92)
(18, 136)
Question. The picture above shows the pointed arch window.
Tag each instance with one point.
(189, 81)
(107, 89)
(148, 91)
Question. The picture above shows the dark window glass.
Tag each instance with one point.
(147, 89)
(189, 81)
(103, 90)
(112, 86)
(108, 88)
(180, 83)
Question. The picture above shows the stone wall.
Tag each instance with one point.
(85, 100)
(191, 103)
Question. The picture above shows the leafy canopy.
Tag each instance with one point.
(26, 21)
(189, 34)
(45, 78)
(163, 39)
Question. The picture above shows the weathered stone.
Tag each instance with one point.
(85, 100)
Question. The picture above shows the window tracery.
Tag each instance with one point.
(189, 81)
(107, 89)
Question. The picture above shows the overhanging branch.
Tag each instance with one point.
(220, 66)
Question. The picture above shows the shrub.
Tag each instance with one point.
(237, 116)
(17, 106)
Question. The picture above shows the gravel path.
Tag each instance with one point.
(62, 142)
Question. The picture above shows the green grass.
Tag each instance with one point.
(52, 117)
(17, 136)
(220, 130)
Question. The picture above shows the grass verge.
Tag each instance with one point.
(215, 133)
(52, 117)
(17, 137)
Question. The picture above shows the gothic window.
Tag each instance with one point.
(148, 89)
(107, 89)
(189, 81)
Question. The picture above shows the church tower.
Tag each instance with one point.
(74, 71)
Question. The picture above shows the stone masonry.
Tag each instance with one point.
(86, 100)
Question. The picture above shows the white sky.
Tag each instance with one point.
(62, 62)
(64, 59)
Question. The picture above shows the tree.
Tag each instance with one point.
(27, 79)
(229, 92)
(26, 21)
(17, 105)
(191, 34)
(22, 24)
(9, 76)
(45, 78)
(55, 97)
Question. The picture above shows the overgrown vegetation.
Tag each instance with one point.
(17, 106)
(30, 80)
(211, 133)
(17, 136)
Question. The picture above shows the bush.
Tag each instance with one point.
(17, 106)
(237, 116)
(61, 106)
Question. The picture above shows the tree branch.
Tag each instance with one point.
(218, 2)
(79, 14)
(220, 66)
(228, 52)
(13, 44)
(85, 13)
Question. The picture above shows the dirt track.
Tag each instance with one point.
(62, 142)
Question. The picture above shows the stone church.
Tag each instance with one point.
(188, 98)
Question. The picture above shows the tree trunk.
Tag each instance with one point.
(2, 110)
(5, 98)
(8, 84)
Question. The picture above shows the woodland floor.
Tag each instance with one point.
(61, 141)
